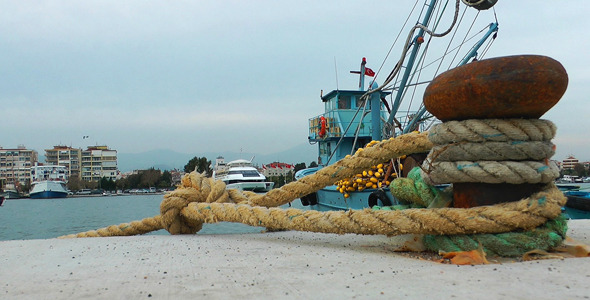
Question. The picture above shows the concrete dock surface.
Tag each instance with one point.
(277, 265)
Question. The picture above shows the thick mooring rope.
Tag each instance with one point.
(199, 199)
(547, 236)
(514, 151)
(492, 130)
(514, 172)
(496, 151)
(197, 188)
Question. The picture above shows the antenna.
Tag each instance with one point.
(336, 71)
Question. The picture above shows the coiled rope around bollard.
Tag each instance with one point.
(494, 151)
(199, 199)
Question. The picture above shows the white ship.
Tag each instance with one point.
(241, 175)
(48, 182)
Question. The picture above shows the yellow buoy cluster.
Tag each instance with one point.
(377, 176)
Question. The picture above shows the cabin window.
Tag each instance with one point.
(325, 149)
(343, 102)
(245, 173)
(359, 102)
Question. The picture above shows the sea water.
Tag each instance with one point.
(22, 219)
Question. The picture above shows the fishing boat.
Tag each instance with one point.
(48, 182)
(11, 194)
(241, 175)
(578, 200)
(352, 119)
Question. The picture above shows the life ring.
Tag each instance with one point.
(378, 195)
(322, 126)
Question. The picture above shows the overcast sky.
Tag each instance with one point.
(202, 76)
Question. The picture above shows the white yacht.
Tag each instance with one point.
(48, 182)
(241, 175)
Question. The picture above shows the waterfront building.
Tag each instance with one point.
(176, 176)
(15, 166)
(277, 169)
(98, 162)
(569, 162)
(65, 156)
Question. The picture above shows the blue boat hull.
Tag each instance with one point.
(329, 198)
(578, 204)
(576, 214)
(48, 195)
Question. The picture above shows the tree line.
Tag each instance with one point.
(152, 177)
(578, 170)
(143, 179)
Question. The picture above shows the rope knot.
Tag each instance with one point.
(194, 187)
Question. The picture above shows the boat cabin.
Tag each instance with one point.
(344, 117)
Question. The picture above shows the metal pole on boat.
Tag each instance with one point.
(415, 48)
(375, 114)
(493, 28)
(362, 75)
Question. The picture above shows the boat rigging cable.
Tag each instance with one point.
(396, 69)
(399, 64)
(411, 122)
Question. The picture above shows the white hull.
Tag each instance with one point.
(49, 189)
(251, 186)
(241, 175)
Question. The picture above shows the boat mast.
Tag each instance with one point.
(415, 48)
(374, 102)
(493, 28)
(362, 75)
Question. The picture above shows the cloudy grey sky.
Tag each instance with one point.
(197, 76)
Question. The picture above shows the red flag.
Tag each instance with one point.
(369, 72)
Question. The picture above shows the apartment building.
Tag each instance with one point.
(15, 165)
(569, 162)
(65, 156)
(98, 162)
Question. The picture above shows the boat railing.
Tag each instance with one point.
(336, 123)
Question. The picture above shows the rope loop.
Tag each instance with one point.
(194, 187)
(492, 130)
(515, 150)
(514, 172)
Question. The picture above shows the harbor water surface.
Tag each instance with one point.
(23, 219)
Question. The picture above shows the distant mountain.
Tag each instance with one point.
(167, 159)
(159, 159)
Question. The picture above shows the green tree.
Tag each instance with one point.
(313, 164)
(149, 178)
(289, 177)
(200, 164)
(122, 184)
(580, 170)
(74, 183)
(165, 180)
(299, 166)
(107, 184)
(134, 180)
(274, 179)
